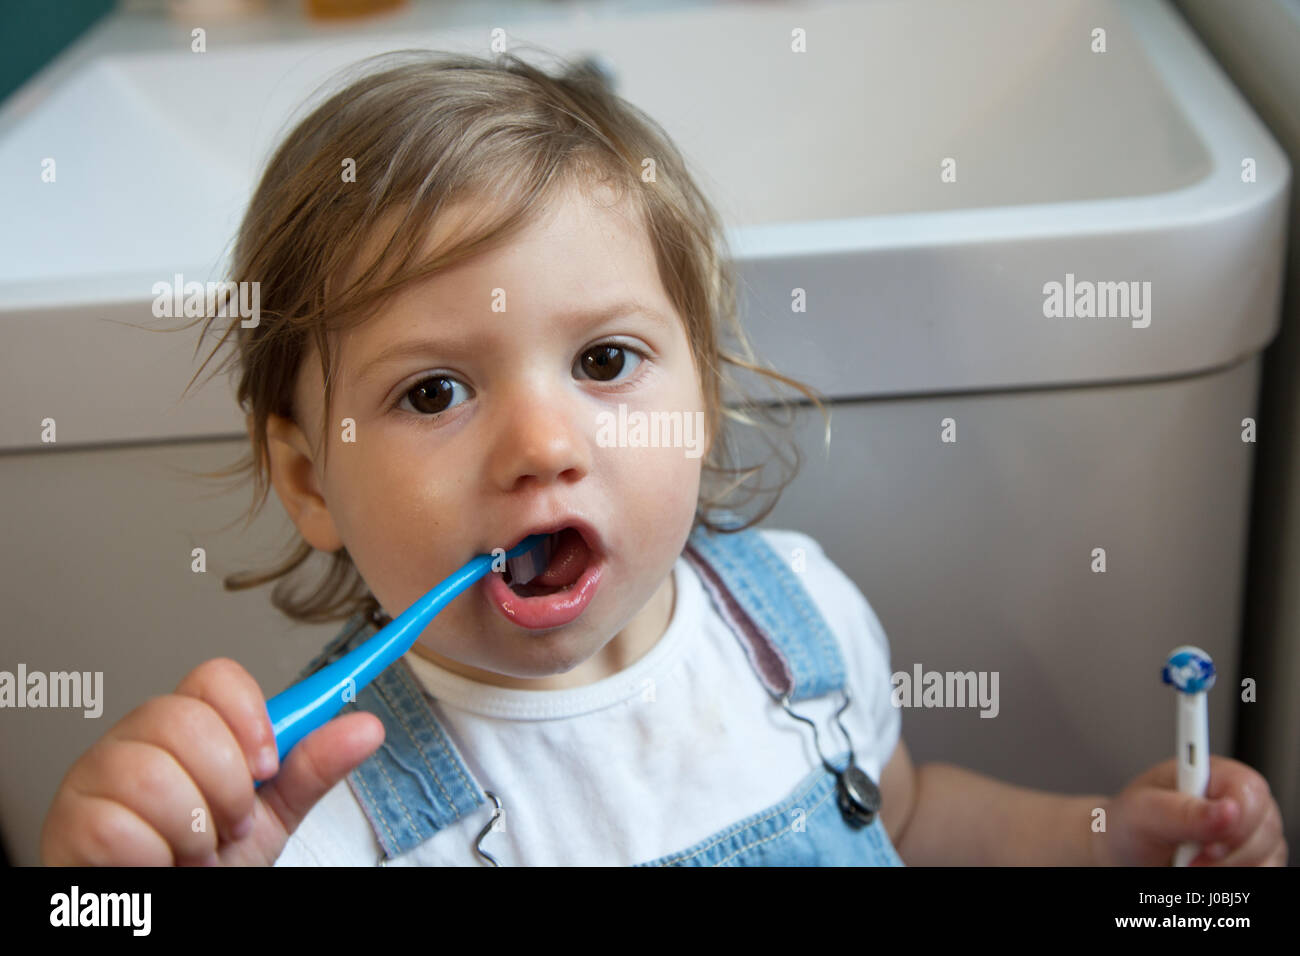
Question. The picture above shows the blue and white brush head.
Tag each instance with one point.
(533, 561)
(1189, 669)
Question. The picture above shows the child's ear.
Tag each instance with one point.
(293, 476)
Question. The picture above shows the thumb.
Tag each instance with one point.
(318, 762)
(1172, 817)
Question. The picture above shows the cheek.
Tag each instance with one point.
(658, 483)
(667, 479)
(391, 510)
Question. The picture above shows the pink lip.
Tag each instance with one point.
(546, 611)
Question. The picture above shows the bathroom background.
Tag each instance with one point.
(1166, 158)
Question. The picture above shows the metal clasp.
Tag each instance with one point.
(856, 793)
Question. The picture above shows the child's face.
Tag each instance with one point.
(515, 445)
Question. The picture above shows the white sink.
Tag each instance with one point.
(825, 165)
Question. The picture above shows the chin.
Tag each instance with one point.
(560, 651)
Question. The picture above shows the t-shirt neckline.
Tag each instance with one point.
(509, 703)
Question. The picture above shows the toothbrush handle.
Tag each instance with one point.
(315, 700)
(1193, 758)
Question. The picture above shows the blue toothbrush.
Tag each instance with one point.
(315, 700)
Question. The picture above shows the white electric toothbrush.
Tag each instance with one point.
(1191, 672)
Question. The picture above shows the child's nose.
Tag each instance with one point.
(541, 435)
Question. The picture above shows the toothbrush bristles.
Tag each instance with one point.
(530, 564)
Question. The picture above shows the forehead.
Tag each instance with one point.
(583, 248)
(589, 204)
(571, 251)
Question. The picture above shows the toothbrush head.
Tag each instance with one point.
(528, 558)
(1189, 669)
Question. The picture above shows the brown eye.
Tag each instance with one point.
(604, 362)
(432, 396)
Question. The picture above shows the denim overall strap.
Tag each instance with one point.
(416, 783)
(782, 631)
(793, 652)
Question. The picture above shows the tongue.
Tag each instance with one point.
(568, 561)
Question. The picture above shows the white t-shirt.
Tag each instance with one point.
(649, 761)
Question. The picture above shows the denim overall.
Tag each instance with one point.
(416, 783)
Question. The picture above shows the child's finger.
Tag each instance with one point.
(232, 692)
(151, 783)
(1173, 817)
(318, 762)
(87, 830)
(1250, 790)
(1256, 848)
(201, 742)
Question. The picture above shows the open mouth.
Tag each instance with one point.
(570, 556)
(560, 593)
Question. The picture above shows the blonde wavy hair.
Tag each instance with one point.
(428, 129)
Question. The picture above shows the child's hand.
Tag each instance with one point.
(1237, 823)
(173, 780)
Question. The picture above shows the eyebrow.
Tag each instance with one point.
(425, 346)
